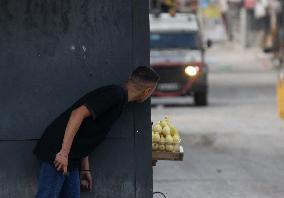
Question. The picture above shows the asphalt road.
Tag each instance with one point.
(234, 148)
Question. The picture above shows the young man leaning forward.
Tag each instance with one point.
(67, 142)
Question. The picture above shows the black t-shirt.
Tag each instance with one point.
(105, 104)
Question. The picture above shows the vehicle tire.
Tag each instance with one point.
(200, 99)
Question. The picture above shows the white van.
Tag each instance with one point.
(177, 54)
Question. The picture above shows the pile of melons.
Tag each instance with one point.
(165, 136)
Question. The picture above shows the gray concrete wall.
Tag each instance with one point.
(51, 53)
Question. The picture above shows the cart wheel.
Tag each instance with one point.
(159, 193)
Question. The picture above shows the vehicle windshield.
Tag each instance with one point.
(183, 40)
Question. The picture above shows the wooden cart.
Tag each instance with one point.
(161, 155)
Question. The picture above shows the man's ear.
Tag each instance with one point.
(148, 90)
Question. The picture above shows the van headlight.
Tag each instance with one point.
(191, 70)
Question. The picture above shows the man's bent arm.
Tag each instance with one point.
(73, 125)
(85, 165)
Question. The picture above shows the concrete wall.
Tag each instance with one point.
(51, 53)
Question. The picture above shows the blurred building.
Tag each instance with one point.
(248, 22)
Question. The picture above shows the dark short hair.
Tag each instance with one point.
(143, 74)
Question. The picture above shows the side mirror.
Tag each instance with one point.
(209, 43)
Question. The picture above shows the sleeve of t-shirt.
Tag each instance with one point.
(99, 103)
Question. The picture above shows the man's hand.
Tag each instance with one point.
(86, 180)
(61, 161)
(76, 118)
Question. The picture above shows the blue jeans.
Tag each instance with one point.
(53, 184)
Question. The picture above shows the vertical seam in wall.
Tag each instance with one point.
(133, 106)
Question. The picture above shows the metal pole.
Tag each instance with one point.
(243, 27)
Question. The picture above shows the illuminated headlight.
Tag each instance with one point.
(191, 70)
